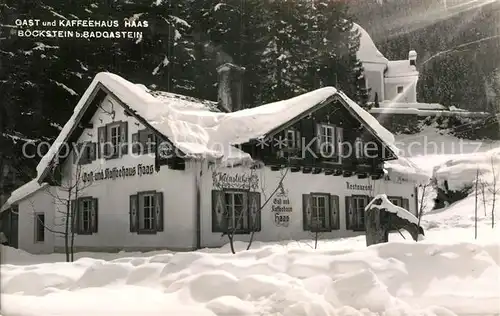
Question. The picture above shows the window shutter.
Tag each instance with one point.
(133, 214)
(74, 216)
(92, 152)
(101, 140)
(135, 143)
(143, 139)
(334, 212)
(298, 140)
(340, 137)
(124, 137)
(255, 211)
(318, 137)
(349, 213)
(159, 211)
(306, 211)
(80, 153)
(406, 204)
(94, 216)
(328, 214)
(219, 224)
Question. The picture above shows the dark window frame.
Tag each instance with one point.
(39, 227)
(156, 216)
(360, 223)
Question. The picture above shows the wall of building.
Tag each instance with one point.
(409, 89)
(295, 184)
(374, 76)
(114, 234)
(42, 201)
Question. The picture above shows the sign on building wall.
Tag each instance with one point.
(361, 187)
(117, 172)
(281, 208)
(224, 180)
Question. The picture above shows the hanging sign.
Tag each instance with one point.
(224, 180)
(281, 208)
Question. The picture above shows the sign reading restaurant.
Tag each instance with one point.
(117, 172)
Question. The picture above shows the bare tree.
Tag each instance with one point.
(422, 200)
(494, 190)
(66, 193)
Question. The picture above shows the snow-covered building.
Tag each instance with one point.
(392, 81)
(157, 170)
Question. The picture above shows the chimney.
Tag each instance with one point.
(230, 86)
(412, 57)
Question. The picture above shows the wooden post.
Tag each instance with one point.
(376, 232)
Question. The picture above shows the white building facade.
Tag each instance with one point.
(122, 197)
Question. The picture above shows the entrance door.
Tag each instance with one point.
(14, 230)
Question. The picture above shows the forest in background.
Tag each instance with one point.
(457, 41)
(286, 47)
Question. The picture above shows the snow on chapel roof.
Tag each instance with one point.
(196, 129)
(367, 51)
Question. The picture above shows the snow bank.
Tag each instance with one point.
(22, 192)
(461, 171)
(398, 278)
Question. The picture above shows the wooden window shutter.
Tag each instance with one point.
(94, 215)
(135, 143)
(143, 140)
(74, 216)
(219, 220)
(93, 155)
(255, 221)
(334, 212)
(318, 137)
(349, 213)
(101, 140)
(339, 138)
(406, 204)
(159, 211)
(124, 137)
(298, 140)
(133, 214)
(306, 211)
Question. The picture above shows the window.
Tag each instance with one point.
(144, 141)
(146, 212)
(400, 89)
(85, 153)
(355, 211)
(235, 210)
(398, 201)
(39, 227)
(321, 212)
(327, 139)
(85, 216)
(293, 140)
(113, 142)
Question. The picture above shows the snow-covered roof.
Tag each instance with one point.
(400, 68)
(381, 201)
(404, 169)
(22, 192)
(368, 52)
(199, 132)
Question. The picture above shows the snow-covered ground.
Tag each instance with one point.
(448, 273)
